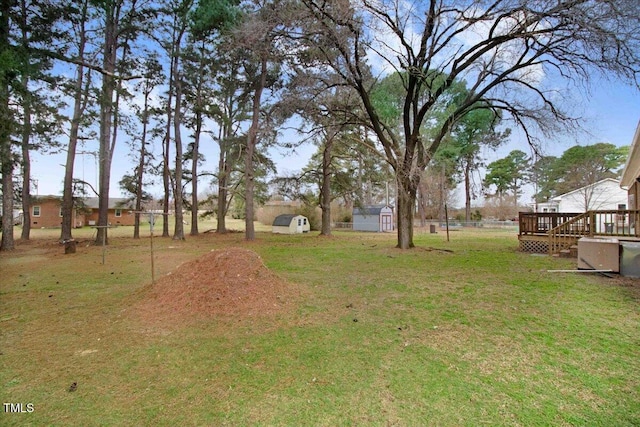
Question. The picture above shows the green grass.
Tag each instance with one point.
(462, 333)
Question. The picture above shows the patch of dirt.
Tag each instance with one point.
(230, 282)
(630, 285)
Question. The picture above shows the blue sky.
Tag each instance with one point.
(611, 114)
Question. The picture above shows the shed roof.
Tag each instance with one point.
(283, 220)
(369, 210)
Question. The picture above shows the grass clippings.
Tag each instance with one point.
(222, 283)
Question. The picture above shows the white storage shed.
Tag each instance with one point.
(291, 224)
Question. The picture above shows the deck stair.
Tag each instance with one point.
(568, 233)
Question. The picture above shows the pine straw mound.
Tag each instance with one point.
(231, 282)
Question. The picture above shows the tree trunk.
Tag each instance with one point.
(26, 127)
(7, 243)
(166, 179)
(325, 192)
(67, 192)
(250, 233)
(406, 199)
(79, 103)
(249, 173)
(141, 164)
(422, 213)
(166, 148)
(106, 119)
(26, 163)
(199, 107)
(194, 175)
(359, 182)
(139, 178)
(467, 191)
(223, 181)
(6, 124)
(178, 232)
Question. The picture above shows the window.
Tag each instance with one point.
(299, 222)
(60, 212)
(118, 213)
(36, 211)
(621, 217)
(305, 221)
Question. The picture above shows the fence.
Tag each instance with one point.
(507, 225)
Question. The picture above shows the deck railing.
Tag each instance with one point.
(542, 222)
(564, 229)
(615, 223)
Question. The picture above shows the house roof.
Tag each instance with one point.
(90, 202)
(114, 203)
(595, 184)
(42, 197)
(631, 169)
(369, 210)
(283, 220)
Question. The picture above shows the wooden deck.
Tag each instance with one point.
(551, 232)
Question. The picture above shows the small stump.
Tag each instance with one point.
(69, 246)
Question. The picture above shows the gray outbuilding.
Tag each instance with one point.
(373, 218)
(291, 224)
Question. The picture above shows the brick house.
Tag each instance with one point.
(46, 212)
(118, 213)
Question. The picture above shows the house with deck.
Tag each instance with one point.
(613, 214)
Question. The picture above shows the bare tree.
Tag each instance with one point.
(111, 10)
(232, 108)
(171, 31)
(122, 24)
(80, 92)
(506, 50)
(152, 78)
(259, 34)
(178, 231)
(330, 129)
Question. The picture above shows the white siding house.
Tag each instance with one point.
(603, 195)
(291, 224)
(630, 180)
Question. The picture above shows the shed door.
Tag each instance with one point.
(387, 222)
(299, 228)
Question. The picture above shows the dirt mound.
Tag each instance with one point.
(224, 282)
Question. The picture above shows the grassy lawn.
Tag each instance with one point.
(462, 333)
